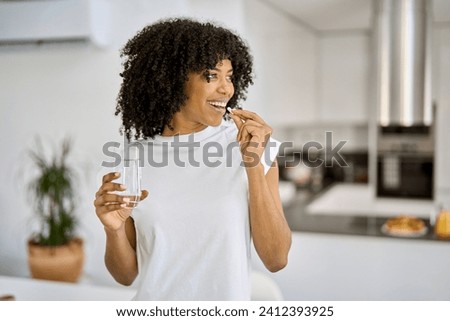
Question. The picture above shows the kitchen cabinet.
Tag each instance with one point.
(339, 251)
(340, 267)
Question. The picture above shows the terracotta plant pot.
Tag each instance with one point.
(57, 263)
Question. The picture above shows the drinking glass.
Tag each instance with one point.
(130, 177)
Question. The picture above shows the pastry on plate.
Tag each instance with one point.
(404, 225)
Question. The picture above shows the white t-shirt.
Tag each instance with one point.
(193, 231)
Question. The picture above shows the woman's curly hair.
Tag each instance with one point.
(158, 61)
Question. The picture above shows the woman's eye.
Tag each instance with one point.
(209, 76)
(212, 76)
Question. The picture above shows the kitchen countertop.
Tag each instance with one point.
(362, 224)
(360, 200)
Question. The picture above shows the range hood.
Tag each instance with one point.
(403, 83)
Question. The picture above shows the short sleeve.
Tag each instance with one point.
(270, 153)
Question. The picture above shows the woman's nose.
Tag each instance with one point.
(226, 87)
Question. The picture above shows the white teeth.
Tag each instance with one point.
(218, 104)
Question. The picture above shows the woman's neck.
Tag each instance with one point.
(182, 129)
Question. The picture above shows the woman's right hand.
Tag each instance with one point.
(110, 207)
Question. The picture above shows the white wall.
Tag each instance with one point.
(285, 66)
(51, 92)
(442, 70)
(344, 68)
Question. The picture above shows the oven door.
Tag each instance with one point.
(406, 176)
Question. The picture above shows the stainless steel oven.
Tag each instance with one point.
(409, 176)
(405, 162)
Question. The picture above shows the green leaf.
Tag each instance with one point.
(53, 194)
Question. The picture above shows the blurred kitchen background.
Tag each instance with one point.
(377, 81)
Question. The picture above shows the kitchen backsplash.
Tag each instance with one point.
(354, 136)
(298, 163)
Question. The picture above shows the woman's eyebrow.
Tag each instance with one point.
(217, 69)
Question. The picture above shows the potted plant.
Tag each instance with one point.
(55, 252)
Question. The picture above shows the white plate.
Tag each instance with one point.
(404, 233)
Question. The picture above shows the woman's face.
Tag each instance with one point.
(208, 94)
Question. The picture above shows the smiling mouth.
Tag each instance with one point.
(218, 105)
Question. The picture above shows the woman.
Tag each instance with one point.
(189, 238)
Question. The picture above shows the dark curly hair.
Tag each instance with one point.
(158, 60)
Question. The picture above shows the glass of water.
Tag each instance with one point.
(130, 177)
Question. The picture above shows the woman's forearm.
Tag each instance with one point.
(120, 257)
(270, 231)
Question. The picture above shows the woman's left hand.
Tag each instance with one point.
(253, 135)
